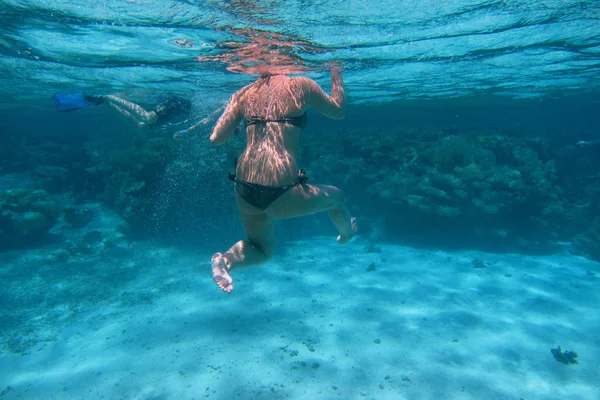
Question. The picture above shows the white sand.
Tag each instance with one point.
(316, 324)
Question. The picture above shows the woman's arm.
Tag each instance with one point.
(333, 106)
(230, 119)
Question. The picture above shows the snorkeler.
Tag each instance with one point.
(268, 183)
(171, 112)
(164, 112)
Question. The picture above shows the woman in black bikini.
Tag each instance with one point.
(268, 182)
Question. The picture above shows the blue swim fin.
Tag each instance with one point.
(70, 101)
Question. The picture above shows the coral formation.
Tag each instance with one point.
(475, 186)
(485, 186)
(78, 217)
(25, 215)
(568, 357)
(160, 185)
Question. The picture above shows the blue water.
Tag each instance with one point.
(392, 51)
(469, 154)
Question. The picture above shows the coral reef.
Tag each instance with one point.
(477, 186)
(165, 186)
(483, 185)
(567, 357)
(25, 216)
(58, 161)
(132, 175)
(78, 217)
(156, 184)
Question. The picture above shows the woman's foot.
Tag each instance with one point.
(341, 239)
(220, 274)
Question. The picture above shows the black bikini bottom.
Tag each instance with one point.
(262, 196)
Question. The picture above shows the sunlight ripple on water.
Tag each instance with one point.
(390, 50)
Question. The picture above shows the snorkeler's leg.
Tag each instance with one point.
(310, 199)
(139, 113)
(126, 114)
(258, 249)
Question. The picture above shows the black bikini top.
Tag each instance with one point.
(298, 122)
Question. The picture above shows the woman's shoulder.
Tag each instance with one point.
(241, 94)
(299, 79)
(303, 82)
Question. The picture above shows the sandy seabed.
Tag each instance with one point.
(320, 321)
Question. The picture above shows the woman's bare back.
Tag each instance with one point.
(274, 97)
(271, 149)
(272, 145)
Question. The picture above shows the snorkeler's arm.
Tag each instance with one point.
(229, 121)
(203, 122)
(333, 106)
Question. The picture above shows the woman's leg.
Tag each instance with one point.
(310, 199)
(258, 249)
